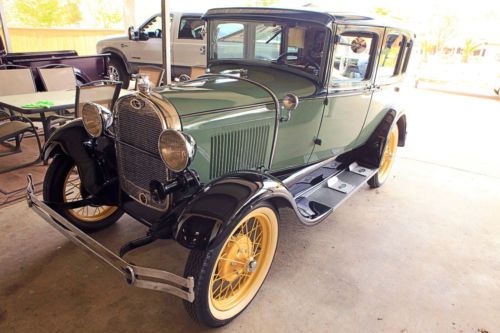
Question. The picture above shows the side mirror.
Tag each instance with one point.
(131, 33)
(358, 45)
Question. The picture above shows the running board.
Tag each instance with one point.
(142, 277)
(331, 192)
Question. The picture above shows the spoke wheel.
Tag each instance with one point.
(73, 192)
(242, 264)
(228, 277)
(388, 158)
(62, 184)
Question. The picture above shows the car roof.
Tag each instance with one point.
(298, 14)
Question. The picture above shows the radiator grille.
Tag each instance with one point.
(238, 150)
(137, 131)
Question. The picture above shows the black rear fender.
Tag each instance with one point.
(212, 214)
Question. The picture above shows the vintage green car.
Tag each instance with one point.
(298, 110)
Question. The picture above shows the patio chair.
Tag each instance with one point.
(23, 84)
(154, 73)
(102, 92)
(57, 77)
(12, 129)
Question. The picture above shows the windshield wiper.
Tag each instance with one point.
(274, 36)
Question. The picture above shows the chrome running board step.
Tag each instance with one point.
(331, 192)
(137, 276)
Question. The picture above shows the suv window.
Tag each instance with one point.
(153, 28)
(191, 28)
(390, 54)
(352, 57)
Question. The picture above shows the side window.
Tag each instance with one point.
(152, 29)
(230, 41)
(191, 28)
(391, 52)
(352, 57)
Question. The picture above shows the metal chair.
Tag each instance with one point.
(16, 80)
(154, 73)
(13, 128)
(57, 77)
(102, 92)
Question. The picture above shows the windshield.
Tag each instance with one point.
(301, 46)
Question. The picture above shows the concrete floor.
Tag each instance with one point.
(421, 254)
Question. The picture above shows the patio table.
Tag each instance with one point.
(63, 100)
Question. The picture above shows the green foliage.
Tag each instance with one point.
(468, 49)
(47, 13)
(107, 13)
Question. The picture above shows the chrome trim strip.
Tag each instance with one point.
(141, 277)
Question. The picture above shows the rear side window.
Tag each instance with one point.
(390, 55)
(352, 57)
(191, 28)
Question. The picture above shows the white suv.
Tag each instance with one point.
(143, 46)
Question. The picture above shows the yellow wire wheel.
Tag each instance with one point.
(387, 160)
(235, 270)
(62, 184)
(72, 192)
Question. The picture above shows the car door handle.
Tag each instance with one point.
(123, 45)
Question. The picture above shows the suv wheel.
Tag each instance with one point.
(118, 72)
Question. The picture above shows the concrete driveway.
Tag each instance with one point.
(421, 254)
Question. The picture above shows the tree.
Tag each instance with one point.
(47, 13)
(107, 13)
(468, 49)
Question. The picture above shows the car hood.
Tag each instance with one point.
(216, 93)
(114, 38)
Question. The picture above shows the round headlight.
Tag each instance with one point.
(177, 149)
(290, 102)
(96, 118)
(92, 120)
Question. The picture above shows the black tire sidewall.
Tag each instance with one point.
(200, 265)
(53, 189)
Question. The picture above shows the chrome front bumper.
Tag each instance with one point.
(142, 277)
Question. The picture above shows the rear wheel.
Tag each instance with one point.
(118, 72)
(62, 184)
(228, 277)
(388, 158)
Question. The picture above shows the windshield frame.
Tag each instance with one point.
(322, 72)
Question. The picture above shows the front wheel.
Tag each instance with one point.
(388, 158)
(228, 277)
(62, 184)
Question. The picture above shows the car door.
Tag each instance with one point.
(387, 92)
(349, 89)
(189, 42)
(146, 50)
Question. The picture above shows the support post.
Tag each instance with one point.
(166, 57)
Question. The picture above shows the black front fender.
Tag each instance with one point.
(69, 140)
(211, 215)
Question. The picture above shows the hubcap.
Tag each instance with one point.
(243, 263)
(73, 192)
(113, 73)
